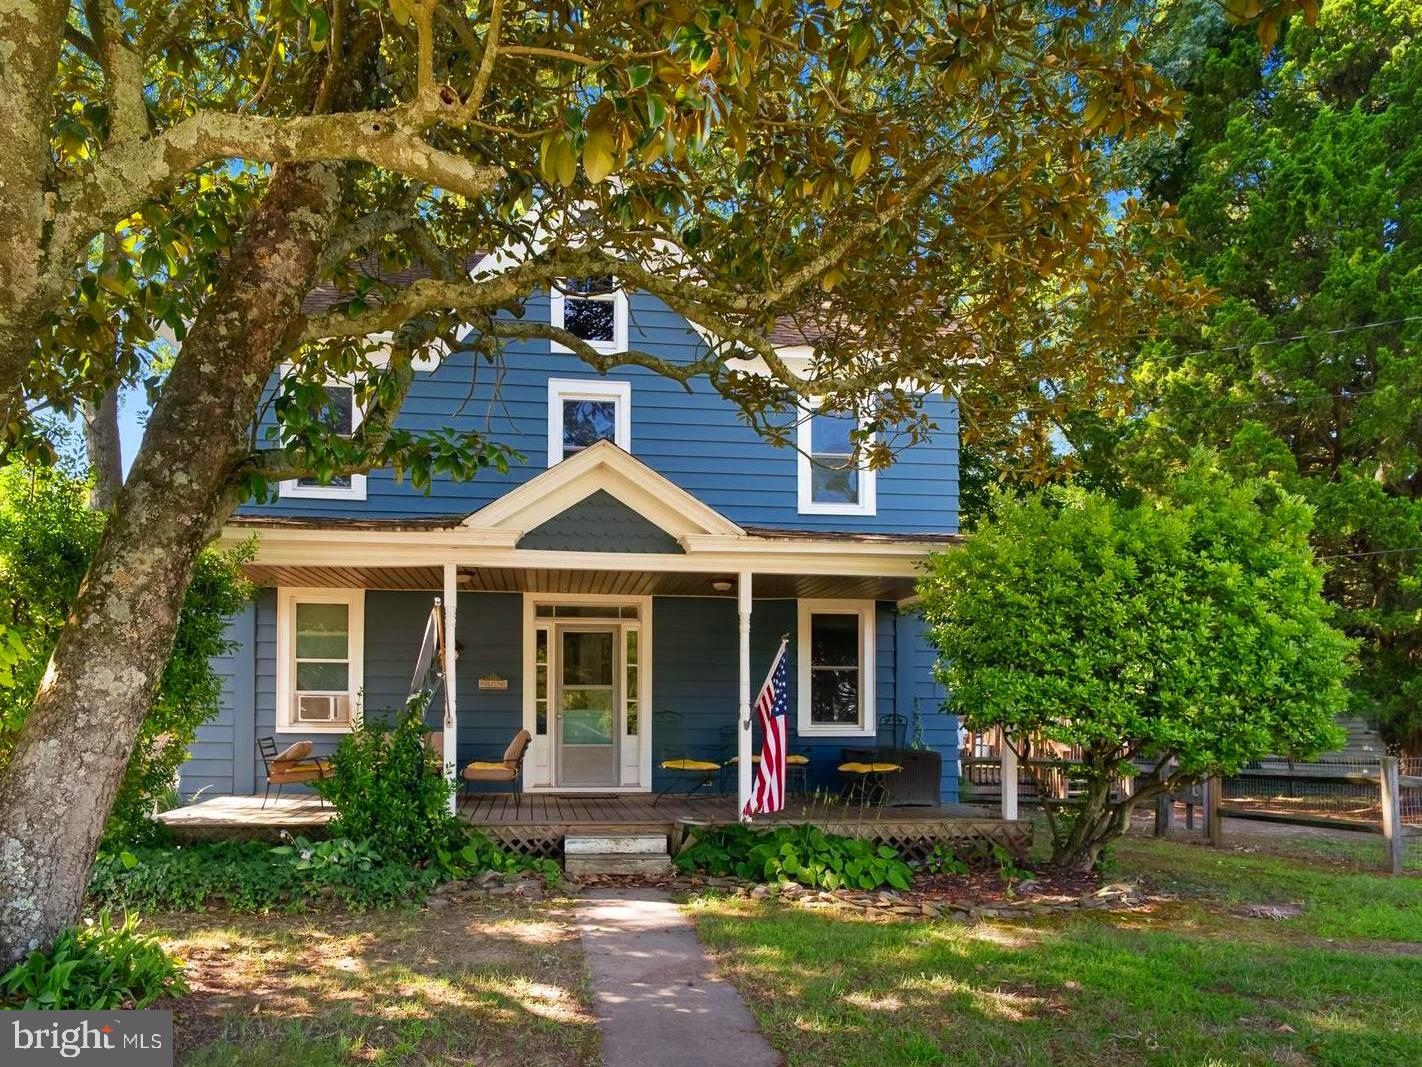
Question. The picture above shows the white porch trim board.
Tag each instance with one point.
(451, 714)
(744, 762)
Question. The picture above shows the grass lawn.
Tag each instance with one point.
(471, 983)
(1186, 981)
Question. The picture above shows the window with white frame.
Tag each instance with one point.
(320, 643)
(831, 482)
(342, 414)
(582, 412)
(835, 640)
(591, 309)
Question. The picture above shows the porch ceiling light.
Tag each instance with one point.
(723, 585)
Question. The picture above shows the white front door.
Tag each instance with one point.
(588, 706)
(587, 661)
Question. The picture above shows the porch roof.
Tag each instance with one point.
(601, 582)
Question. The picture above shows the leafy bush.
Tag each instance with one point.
(390, 790)
(943, 861)
(47, 534)
(1190, 629)
(254, 876)
(95, 967)
(803, 854)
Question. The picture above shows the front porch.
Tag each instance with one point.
(538, 824)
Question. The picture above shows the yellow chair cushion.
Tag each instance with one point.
(689, 765)
(795, 759)
(485, 765)
(869, 768)
(737, 759)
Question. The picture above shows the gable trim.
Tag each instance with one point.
(624, 477)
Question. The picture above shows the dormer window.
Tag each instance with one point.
(591, 309)
(582, 412)
(831, 483)
(342, 414)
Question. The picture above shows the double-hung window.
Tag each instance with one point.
(342, 414)
(320, 642)
(831, 481)
(582, 412)
(593, 310)
(836, 668)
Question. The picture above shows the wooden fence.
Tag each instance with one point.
(1381, 795)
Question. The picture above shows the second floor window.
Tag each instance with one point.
(583, 412)
(831, 481)
(593, 310)
(342, 414)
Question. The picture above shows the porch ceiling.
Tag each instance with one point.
(604, 582)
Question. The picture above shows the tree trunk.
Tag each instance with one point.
(30, 35)
(104, 449)
(67, 764)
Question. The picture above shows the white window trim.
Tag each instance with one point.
(867, 503)
(618, 299)
(868, 721)
(287, 599)
(293, 488)
(560, 389)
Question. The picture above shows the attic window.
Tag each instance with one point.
(342, 414)
(593, 310)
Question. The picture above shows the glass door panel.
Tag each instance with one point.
(587, 707)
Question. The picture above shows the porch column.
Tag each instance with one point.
(743, 735)
(1009, 778)
(451, 721)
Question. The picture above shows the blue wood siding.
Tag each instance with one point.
(696, 439)
(694, 672)
(922, 699)
(220, 756)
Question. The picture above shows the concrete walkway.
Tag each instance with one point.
(657, 1002)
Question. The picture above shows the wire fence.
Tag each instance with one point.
(1342, 790)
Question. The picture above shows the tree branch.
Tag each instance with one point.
(130, 173)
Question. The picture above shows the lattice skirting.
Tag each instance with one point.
(914, 841)
(544, 841)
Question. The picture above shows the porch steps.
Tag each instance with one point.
(614, 853)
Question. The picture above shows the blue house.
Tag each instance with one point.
(619, 594)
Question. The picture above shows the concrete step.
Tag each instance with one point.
(593, 844)
(579, 864)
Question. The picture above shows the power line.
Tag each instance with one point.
(1374, 552)
(1335, 332)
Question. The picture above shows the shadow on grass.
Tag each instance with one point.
(459, 986)
(1077, 992)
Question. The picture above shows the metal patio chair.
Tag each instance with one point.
(293, 765)
(507, 769)
(797, 765)
(676, 759)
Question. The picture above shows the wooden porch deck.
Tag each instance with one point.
(538, 824)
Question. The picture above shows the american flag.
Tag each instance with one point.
(772, 704)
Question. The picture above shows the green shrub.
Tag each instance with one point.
(803, 854)
(47, 535)
(254, 876)
(389, 790)
(95, 967)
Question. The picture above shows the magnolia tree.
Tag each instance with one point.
(921, 186)
(1187, 636)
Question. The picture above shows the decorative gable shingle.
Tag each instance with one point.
(599, 523)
